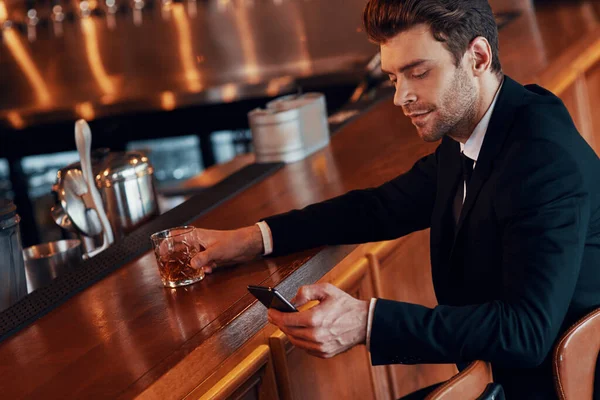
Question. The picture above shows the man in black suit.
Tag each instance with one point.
(511, 196)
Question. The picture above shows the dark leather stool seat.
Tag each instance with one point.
(575, 359)
(474, 382)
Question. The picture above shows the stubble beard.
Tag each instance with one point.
(454, 118)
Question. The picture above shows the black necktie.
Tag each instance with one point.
(467, 171)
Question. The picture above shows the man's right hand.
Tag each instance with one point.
(227, 247)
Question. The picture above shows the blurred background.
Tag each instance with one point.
(174, 79)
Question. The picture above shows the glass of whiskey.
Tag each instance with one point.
(174, 249)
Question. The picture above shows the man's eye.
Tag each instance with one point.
(393, 79)
(420, 76)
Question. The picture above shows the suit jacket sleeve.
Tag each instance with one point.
(394, 209)
(543, 208)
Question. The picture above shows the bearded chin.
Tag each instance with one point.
(430, 137)
(435, 133)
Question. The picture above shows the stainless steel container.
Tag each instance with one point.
(13, 285)
(44, 262)
(126, 183)
(290, 128)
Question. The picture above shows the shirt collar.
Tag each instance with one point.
(472, 147)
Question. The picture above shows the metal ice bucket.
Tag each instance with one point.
(44, 262)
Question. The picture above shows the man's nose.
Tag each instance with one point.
(404, 95)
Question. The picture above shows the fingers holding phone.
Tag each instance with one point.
(336, 324)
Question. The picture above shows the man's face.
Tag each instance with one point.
(439, 97)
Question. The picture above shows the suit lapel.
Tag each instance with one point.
(442, 226)
(510, 97)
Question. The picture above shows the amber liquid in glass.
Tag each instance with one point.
(175, 267)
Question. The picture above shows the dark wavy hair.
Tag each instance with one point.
(453, 22)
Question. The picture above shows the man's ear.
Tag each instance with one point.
(480, 53)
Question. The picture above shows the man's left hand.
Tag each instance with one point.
(333, 326)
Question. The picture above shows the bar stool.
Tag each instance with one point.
(575, 359)
(473, 382)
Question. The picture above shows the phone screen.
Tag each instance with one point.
(271, 298)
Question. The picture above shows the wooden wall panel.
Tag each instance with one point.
(252, 378)
(405, 275)
(260, 386)
(568, 96)
(593, 84)
(577, 99)
(345, 376)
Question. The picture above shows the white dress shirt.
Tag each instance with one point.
(471, 149)
(267, 237)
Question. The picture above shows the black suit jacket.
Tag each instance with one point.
(522, 264)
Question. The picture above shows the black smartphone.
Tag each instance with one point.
(271, 298)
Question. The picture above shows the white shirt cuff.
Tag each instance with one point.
(370, 322)
(267, 237)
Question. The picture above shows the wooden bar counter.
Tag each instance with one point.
(127, 336)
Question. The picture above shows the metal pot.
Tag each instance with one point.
(46, 261)
(126, 184)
